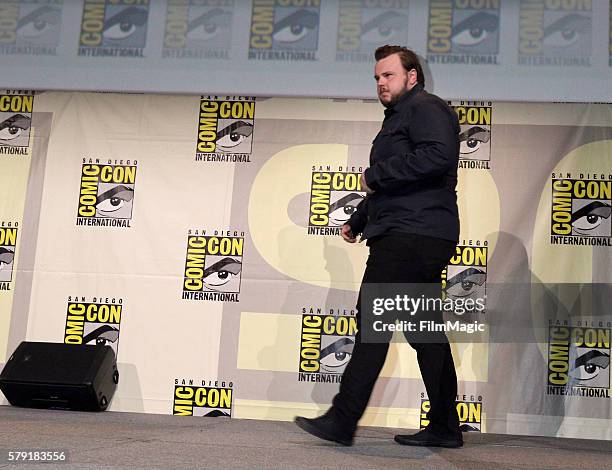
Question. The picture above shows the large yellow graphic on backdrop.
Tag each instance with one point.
(16, 137)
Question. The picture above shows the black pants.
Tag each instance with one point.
(402, 258)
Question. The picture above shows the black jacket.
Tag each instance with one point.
(413, 171)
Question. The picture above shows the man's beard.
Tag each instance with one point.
(396, 97)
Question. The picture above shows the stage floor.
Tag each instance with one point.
(133, 440)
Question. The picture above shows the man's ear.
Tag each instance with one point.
(412, 78)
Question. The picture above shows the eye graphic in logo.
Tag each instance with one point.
(384, 27)
(592, 219)
(336, 355)
(13, 127)
(43, 21)
(591, 368)
(341, 210)
(296, 30)
(217, 277)
(217, 414)
(466, 283)
(6, 264)
(233, 135)
(472, 139)
(115, 202)
(567, 31)
(102, 335)
(124, 24)
(208, 26)
(467, 428)
(475, 30)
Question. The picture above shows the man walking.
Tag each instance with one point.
(411, 223)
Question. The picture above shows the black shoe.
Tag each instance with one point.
(428, 439)
(325, 427)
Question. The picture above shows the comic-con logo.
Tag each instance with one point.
(198, 29)
(30, 27)
(204, 398)
(469, 409)
(555, 33)
(15, 121)
(334, 197)
(213, 265)
(326, 344)
(106, 193)
(364, 25)
(463, 32)
(579, 359)
(114, 28)
(475, 136)
(284, 30)
(8, 246)
(465, 277)
(97, 321)
(581, 210)
(225, 129)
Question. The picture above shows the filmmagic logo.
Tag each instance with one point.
(334, 197)
(204, 398)
(30, 27)
(553, 32)
(198, 29)
(363, 25)
(579, 358)
(213, 265)
(475, 135)
(417, 313)
(581, 209)
(96, 321)
(326, 344)
(463, 32)
(8, 246)
(15, 121)
(225, 129)
(114, 28)
(284, 30)
(106, 193)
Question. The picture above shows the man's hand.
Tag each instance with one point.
(347, 234)
(365, 186)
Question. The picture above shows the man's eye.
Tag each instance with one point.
(10, 133)
(295, 26)
(566, 31)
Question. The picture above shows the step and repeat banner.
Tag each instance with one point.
(198, 237)
(546, 50)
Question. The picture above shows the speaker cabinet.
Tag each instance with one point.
(65, 376)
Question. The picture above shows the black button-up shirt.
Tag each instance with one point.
(413, 171)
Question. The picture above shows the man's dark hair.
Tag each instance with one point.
(408, 58)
